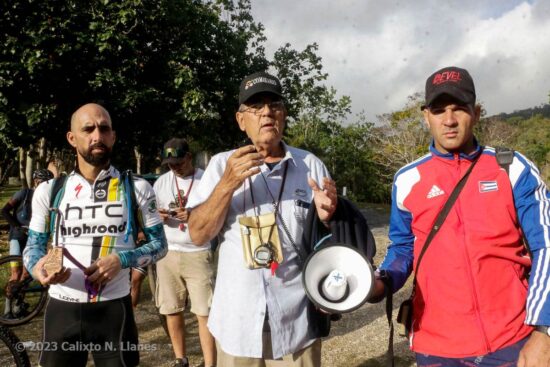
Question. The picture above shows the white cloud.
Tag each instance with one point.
(381, 52)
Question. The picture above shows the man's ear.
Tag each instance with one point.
(71, 139)
(239, 116)
(425, 113)
(477, 113)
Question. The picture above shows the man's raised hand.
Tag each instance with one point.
(325, 199)
(243, 163)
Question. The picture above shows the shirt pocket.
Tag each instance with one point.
(300, 209)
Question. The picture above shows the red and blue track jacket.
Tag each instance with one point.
(478, 290)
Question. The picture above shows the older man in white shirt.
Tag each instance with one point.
(260, 310)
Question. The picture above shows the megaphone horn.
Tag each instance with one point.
(337, 278)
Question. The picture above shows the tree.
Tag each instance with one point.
(162, 68)
(401, 137)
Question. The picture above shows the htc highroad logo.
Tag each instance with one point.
(93, 230)
(99, 210)
(98, 219)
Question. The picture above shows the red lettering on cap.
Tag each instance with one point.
(446, 76)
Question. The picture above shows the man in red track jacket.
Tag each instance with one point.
(479, 295)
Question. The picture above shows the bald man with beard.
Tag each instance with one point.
(90, 307)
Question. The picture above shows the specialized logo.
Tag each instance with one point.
(447, 76)
(257, 80)
(487, 186)
(435, 191)
(77, 189)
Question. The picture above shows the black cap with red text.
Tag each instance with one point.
(453, 81)
(260, 82)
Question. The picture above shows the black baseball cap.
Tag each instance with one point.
(260, 82)
(453, 81)
(174, 151)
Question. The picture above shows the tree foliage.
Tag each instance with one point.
(167, 68)
(317, 117)
(160, 67)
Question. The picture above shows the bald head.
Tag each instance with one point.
(92, 135)
(89, 110)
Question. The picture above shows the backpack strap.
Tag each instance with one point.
(505, 157)
(135, 222)
(56, 194)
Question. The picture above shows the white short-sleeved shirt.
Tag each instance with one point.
(241, 295)
(166, 191)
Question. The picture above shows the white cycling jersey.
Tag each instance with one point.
(94, 223)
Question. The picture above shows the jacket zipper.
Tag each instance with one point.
(469, 269)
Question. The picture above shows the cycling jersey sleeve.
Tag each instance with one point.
(532, 201)
(399, 256)
(156, 246)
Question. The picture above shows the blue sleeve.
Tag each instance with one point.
(35, 249)
(153, 250)
(399, 257)
(532, 201)
(538, 300)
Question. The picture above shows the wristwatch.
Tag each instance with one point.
(543, 329)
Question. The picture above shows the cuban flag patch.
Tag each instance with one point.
(487, 186)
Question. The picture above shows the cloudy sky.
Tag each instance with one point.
(379, 52)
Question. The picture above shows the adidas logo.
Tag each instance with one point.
(435, 191)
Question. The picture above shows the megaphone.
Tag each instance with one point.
(337, 278)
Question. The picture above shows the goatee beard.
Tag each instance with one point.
(98, 159)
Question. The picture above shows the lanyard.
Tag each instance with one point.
(275, 203)
(183, 201)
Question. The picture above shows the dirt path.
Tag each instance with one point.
(359, 339)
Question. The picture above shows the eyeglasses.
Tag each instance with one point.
(258, 107)
(174, 153)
